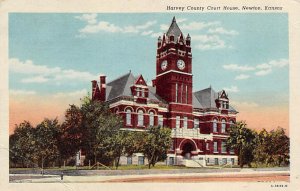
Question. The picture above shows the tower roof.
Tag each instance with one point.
(174, 29)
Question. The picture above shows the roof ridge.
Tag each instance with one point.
(119, 77)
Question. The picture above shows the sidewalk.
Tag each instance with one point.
(246, 174)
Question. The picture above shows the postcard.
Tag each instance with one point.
(170, 95)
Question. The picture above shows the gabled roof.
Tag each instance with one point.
(140, 81)
(121, 87)
(174, 29)
(206, 98)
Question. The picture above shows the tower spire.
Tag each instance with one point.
(174, 20)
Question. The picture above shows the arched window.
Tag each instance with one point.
(140, 118)
(223, 126)
(215, 125)
(128, 117)
(196, 123)
(151, 118)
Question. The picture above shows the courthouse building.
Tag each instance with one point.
(199, 119)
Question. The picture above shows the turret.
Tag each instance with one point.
(159, 42)
(188, 40)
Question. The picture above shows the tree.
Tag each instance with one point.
(262, 147)
(70, 135)
(272, 148)
(21, 145)
(280, 146)
(241, 139)
(157, 143)
(46, 144)
(99, 126)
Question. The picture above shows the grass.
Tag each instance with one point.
(125, 167)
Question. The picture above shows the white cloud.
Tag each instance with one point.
(156, 35)
(263, 72)
(89, 18)
(164, 27)
(36, 79)
(264, 66)
(279, 63)
(232, 89)
(180, 20)
(101, 26)
(258, 70)
(242, 77)
(192, 26)
(146, 25)
(78, 93)
(145, 33)
(221, 30)
(267, 68)
(235, 67)
(27, 67)
(273, 64)
(42, 73)
(93, 26)
(208, 42)
(21, 92)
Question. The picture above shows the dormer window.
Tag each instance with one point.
(225, 105)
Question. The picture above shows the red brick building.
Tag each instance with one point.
(199, 120)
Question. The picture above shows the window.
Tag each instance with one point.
(129, 160)
(223, 126)
(177, 121)
(225, 105)
(196, 123)
(128, 117)
(232, 161)
(181, 93)
(216, 161)
(186, 93)
(138, 92)
(176, 93)
(215, 147)
(224, 160)
(207, 146)
(231, 122)
(223, 147)
(215, 126)
(151, 119)
(171, 161)
(185, 122)
(143, 93)
(141, 160)
(160, 120)
(140, 118)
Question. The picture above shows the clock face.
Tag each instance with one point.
(164, 65)
(180, 64)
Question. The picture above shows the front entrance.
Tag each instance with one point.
(187, 149)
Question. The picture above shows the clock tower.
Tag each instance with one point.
(173, 80)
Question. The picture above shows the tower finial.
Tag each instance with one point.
(174, 20)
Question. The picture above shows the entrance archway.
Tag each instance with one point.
(187, 150)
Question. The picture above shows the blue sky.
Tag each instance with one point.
(59, 54)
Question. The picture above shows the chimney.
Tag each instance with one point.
(94, 87)
(102, 88)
